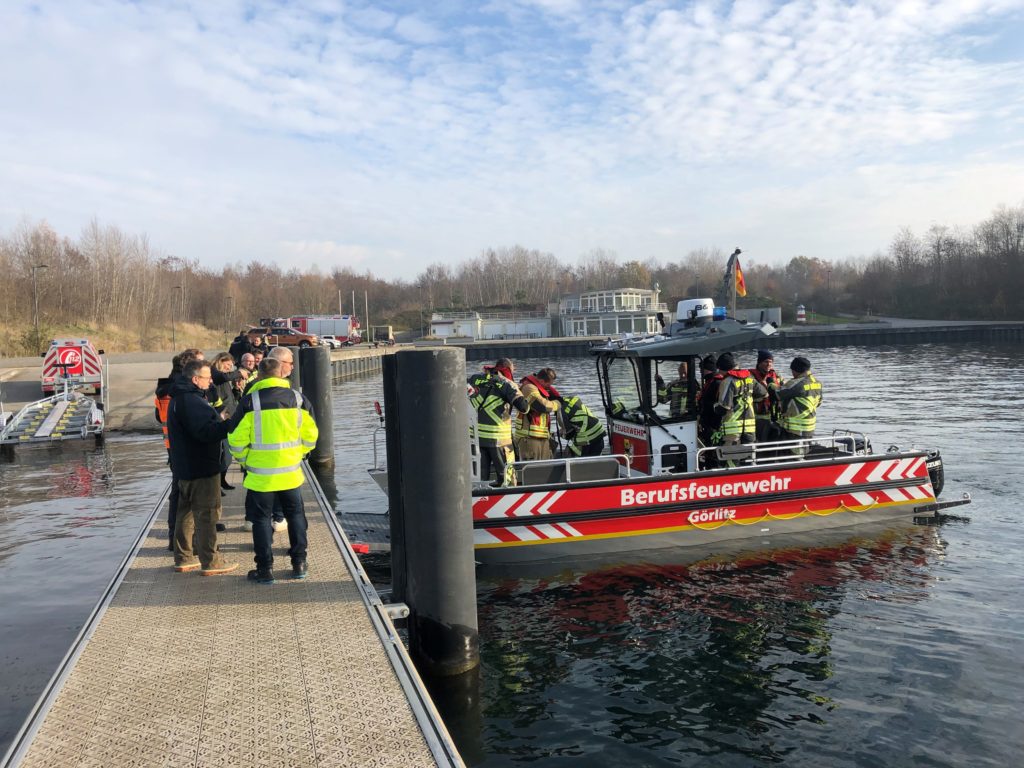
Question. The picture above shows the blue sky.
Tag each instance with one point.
(387, 136)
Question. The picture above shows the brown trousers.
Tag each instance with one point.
(195, 529)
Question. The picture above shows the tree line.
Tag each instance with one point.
(107, 276)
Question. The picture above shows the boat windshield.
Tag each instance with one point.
(623, 393)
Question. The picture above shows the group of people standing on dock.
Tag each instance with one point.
(538, 405)
(240, 408)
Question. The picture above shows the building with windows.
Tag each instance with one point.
(490, 325)
(611, 312)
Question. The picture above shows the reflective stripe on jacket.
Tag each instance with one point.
(581, 426)
(273, 434)
(535, 422)
(800, 398)
(736, 402)
(676, 394)
(494, 397)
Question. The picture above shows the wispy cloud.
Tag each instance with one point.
(394, 137)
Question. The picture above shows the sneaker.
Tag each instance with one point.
(299, 570)
(261, 576)
(226, 485)
(221, 527)
(220, 570)
(246, 525)
(186, 567)
(279, 525)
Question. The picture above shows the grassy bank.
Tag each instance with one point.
(18, 340)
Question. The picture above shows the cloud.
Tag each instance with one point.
(393, 138)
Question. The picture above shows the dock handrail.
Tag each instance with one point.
(439, 741)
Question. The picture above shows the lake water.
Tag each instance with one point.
(882, 647)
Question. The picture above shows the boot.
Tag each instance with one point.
(262, 576)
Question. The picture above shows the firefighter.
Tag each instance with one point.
(494, 395)
(735, 402)
(766, 402)
(799, 399)
(583, 431)
(533, 428)
(675, 393)
(274, 430)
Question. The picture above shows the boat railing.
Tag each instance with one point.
(579, 469)
(840, 443)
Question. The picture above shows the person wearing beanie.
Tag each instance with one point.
(676, 393)
(766, 404)
(735, 403)
(494, 394)
(799, 400)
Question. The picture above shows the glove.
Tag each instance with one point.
(657, 378)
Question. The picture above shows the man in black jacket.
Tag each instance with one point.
(195, 430)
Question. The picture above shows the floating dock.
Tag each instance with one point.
(177, 669)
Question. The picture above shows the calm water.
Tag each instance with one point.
(880, 647)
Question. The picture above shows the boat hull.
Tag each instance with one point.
(631, 514)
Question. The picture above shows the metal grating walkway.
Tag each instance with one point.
(186, 670)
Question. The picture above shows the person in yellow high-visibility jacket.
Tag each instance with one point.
(275, 430)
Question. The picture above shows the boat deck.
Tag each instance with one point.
(186, 670)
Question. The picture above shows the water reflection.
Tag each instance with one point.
(68, 513)
(679, 657)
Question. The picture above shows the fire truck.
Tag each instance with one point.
(342, 327)
(76, 360)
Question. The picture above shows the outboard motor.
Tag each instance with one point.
(935, 472)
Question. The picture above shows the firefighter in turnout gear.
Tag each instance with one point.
(583, 431)
(766, 401)
(799, 399)
(533, 429)
(274, 431)
(675, 393)
(735, 402)
(494, 395)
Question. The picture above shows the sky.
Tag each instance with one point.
(387, 136)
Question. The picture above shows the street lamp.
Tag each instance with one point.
(229, 312)
(828, 291)
(174, 341)
(35, 300)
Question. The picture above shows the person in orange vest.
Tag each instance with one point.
(533, 428)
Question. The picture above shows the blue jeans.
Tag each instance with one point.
(259, 509)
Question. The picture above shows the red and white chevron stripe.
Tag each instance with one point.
(888, 469)
(524, 533)
(523, 504)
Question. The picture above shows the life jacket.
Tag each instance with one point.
(161, 402)
(532, 423)
(738, 400)
(763, 407)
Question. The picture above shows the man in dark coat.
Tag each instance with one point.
(195, 430)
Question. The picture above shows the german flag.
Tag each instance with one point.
(741, 286)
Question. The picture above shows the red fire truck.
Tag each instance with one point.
(76, 360)
(342, 327)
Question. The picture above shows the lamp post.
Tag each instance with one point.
(174, 340)
(229, 311)
(35, 300)
(828, 290)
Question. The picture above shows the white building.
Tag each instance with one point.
(490, 325)
(611, 312)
